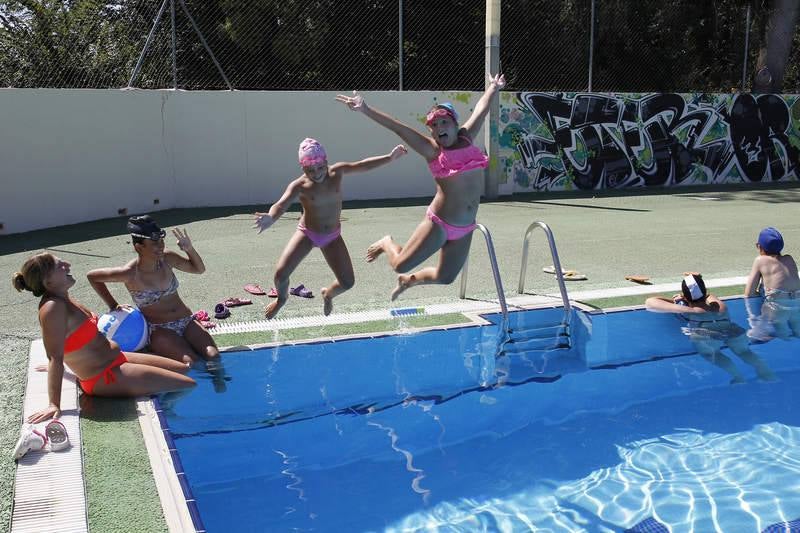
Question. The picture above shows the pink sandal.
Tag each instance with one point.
(254, 288)
(234, 301)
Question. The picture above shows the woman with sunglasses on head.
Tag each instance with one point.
(70, 335)
(152, 284)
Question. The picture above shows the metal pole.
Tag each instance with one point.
(174, 40)
(591, 48)
(746, 47)
(205, 44)
(147, 44)
(492, 67)
(400, 43)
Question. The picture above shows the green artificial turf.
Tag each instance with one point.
(120, 489)
(638, 299)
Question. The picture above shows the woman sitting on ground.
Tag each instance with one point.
(152, 284)
(70, 335)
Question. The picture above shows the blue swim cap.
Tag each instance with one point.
(770, 240)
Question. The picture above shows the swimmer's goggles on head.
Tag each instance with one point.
(155, 236)
(445, 109)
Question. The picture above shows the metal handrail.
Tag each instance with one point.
(495, 271)
(556, 263)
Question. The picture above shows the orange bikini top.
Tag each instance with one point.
(81, 336)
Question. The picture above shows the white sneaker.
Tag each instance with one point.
(29, 440)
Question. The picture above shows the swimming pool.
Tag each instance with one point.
(625, 428)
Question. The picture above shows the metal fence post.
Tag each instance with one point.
(746, 46)
(400, 43)
(591, 48)
(174, 40)
(147, 44)
(205, 44)
(492, 68)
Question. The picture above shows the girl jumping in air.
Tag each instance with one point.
(457, 167)
(319, 191)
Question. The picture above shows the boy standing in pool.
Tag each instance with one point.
(319, 190)
(778, 275)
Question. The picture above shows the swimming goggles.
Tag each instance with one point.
(155, 236)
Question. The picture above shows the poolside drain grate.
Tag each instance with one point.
(461, 306)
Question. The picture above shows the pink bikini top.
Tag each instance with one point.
(453, 162)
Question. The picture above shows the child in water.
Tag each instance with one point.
(709, 327)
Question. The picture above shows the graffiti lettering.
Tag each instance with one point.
(556, 141)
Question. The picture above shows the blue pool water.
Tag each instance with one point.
(434, 431)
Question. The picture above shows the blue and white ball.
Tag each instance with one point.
(126, 326)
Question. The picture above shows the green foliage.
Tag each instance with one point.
(75, 43)
(642, 46)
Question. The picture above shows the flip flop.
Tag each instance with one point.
(642, 280)
(201, 316)
(57, 435)
(273, 293)
(234, 301)
(301, 291)
(552, 270)
(220, 311)
(568, 275)
(208, 324)
(254, 288)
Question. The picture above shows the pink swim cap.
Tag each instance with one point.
(311, 153)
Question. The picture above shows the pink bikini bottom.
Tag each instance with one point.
(453, 232)
(320, 240)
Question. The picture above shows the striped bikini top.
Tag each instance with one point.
(149, 297)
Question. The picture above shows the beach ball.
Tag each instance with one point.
(126, 326)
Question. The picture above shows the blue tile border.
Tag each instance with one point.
(191, 503)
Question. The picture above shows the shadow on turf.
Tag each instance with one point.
(107, 409)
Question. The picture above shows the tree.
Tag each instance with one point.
(777, 31)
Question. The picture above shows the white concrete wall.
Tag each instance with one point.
(69, 156)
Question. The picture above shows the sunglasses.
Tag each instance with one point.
(155, 236)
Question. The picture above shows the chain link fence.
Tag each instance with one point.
(546, 45)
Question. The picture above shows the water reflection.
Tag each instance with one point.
(777, 316)
(710, 334)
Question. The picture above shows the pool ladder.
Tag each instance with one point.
(498, 283)
(531, 338)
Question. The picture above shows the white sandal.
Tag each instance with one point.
(29, 440)
(57, 435)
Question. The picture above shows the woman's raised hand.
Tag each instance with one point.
(499, 80)
(397, 151)
(184, 242)
(355, 102)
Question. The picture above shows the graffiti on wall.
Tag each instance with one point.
(567, 141)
